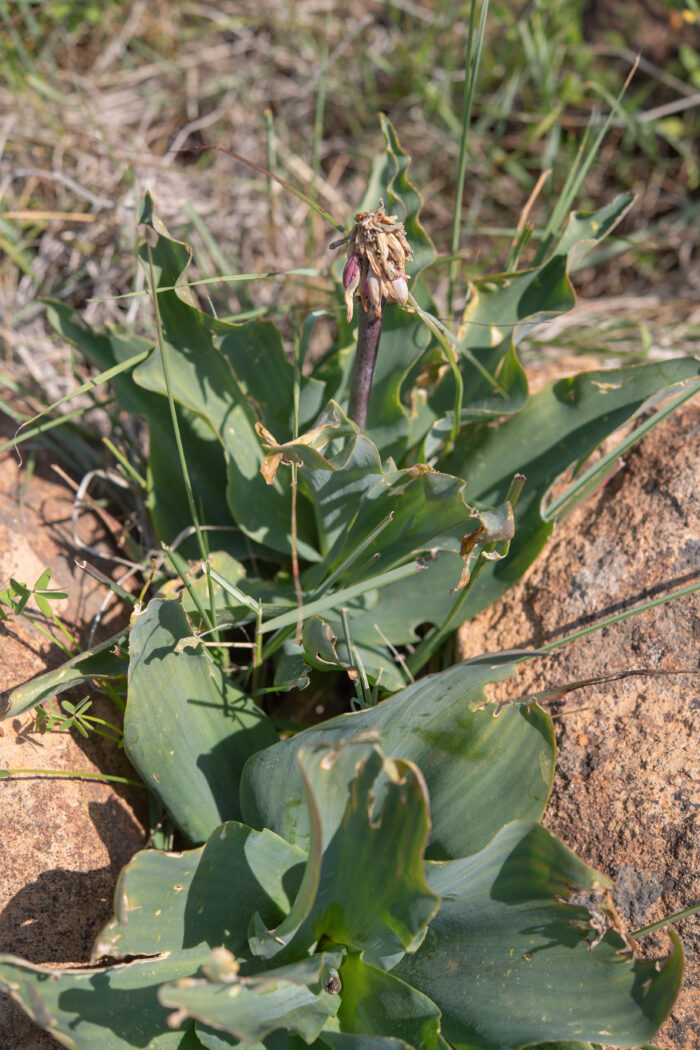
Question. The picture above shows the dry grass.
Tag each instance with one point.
(100, 109)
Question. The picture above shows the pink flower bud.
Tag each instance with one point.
(351, 273)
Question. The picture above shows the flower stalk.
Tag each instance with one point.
(368, 336)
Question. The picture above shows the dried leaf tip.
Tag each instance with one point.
(377, 254)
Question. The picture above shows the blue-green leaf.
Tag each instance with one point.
(510, 961)
(179, 901)
(369, 825)
(481, 771)
(377, 1003)
(291, 997)
(188, 730)
(99, 1009)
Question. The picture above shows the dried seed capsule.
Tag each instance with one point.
(377, 254)
(351, 280)
(372, 288)
(400, 290)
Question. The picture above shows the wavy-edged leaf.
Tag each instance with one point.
(391, 410)
(402, 514)
(389, 180)
(398, 609)
(150, 899)
(115, 1008)
(558, 428)
(481, 771)
(176, 906)
(377, 1003)
(291, 997)
(337, 479)
(212, 1040)
(326, 649)
(206, 896)
(167, 499)
(350, 1041)
(230, 376)
(187, 729)
(509, 962)
(566, 1045)
(585, 229)
(106, 660)
(369, 821)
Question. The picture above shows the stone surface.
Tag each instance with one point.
(626, 795)
(63, 841)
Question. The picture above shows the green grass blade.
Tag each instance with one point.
(90, 384)
(337, 598)
(471, 68)
(577, 174)
(691, 588)
(583, 485)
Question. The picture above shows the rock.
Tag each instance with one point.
(626, 795)
(63, 840)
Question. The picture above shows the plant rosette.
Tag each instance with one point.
(382, 540)
(382, 877)
(358, 900)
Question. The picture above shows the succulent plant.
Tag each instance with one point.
(380, 880)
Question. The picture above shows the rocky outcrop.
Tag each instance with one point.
(63, 840)
(626, 794)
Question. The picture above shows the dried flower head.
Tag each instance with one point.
(377, 254)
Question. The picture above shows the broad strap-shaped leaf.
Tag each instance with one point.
(509, 962)
(335, 480)
(368, 513)
(399, 608)
(150, 900)
(177, 907)
(212, 1040)
(115, 1008)
(179, 901)
(187, 729)
(566, 1044)
(291, 997)
(480, 771)
(558, 428)
(392, 408)
(166, 496)
(325, 648)
(231, 376)
(105, 660)
(500, 310)
(354, 634)
(402, 514)
(377, 1003)
(585, 229)
(369, 826)
(350, 1041)
(482, 401)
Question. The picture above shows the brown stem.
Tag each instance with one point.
(365, 360)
